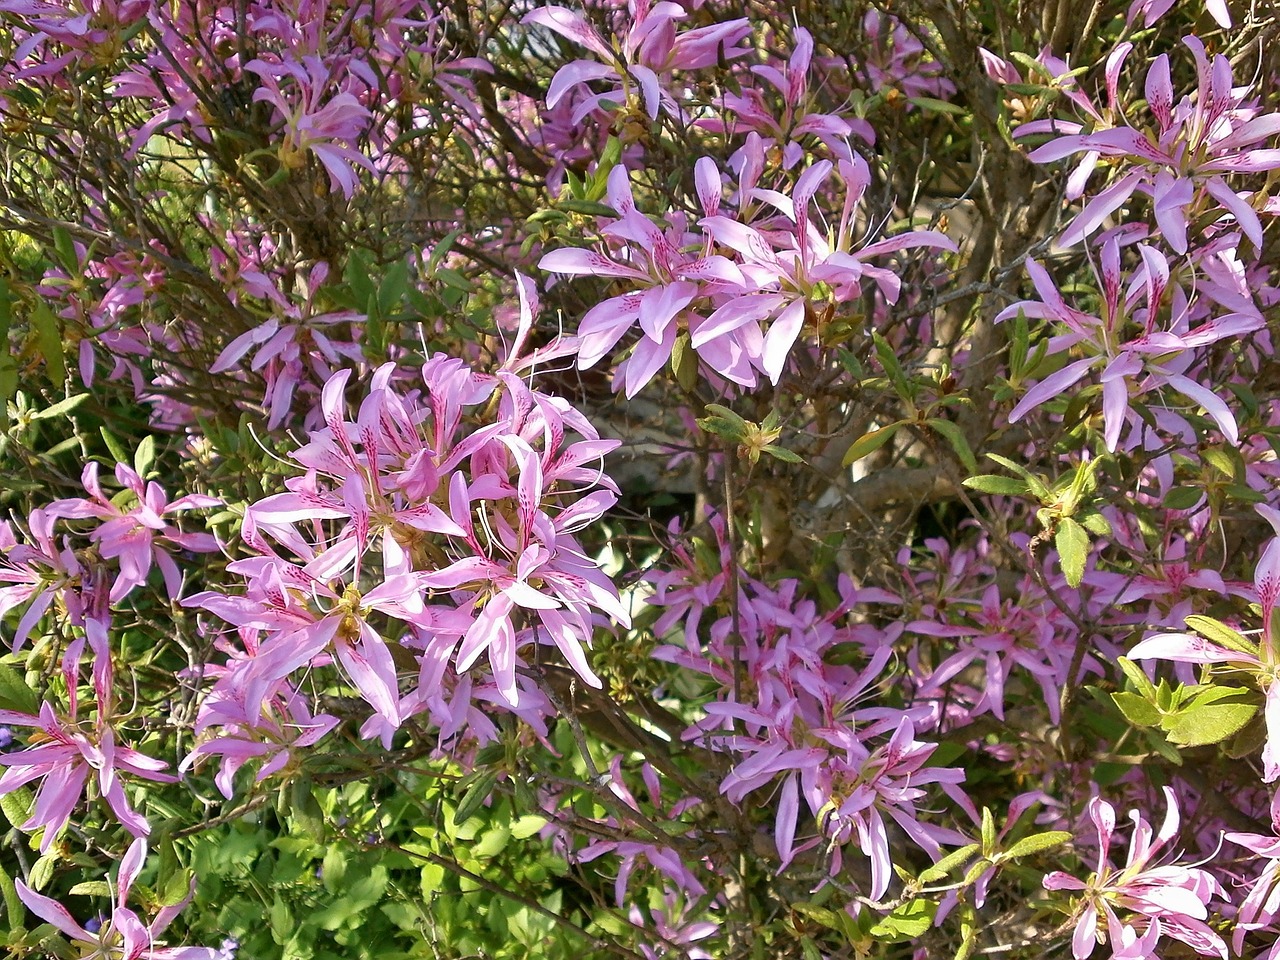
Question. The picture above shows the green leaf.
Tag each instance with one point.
(1219, 633)
(1083, 481)
(522, 828)
(1138, 711)
(995, 485)
(869, 443)
(65, 248)
(392, 289)
(492, 843)
(1095, 523)
(909, 921)
(934, 105)
(724, 413)
(1036, 843)
(1238, 491)
(889, 361)
(280, 921)
(782, 453)
(684, 362)
(1248, 741)
(977, 869)
(42, 871)
(722, 428)
(1073, 549)
(1137, 677)
(988, 833)
(1034, 484)
(610, 156)
(478, 791)
(92, 888)
(1220, 460)
(61, 408)
(590, 208)
(968, 934)
(452, 278)
(305, 815)
(13, 906)
(145, 456)
(114, 446)
(1183, 498)
(175, 888)
(357, 276)
(334, 867)
(944, 866)
(17, 806)
(14, 692)
(823, 915)
(48, 329)
(955, 436)
(1208, 720)
(441, 250)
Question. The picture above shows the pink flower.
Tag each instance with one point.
(39, 573)
(796, 120)
(1171, 898)
(1131, 344)
(270, 731)
(123, 936)
(1182, 162)
(642, 58)
(131, 536)
(316, 117)
(64, 752)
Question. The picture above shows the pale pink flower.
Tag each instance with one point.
(123, 936)
(1174, 896)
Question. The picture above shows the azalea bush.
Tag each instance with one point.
(664, 479)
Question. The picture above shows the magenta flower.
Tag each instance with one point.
(643, 59)
(1261, 905)
(337, 623)
(123, 936)
(1172, 896)
(1180, 163)
(1132, 346)
(293, 354)
(792, 269)
(1263, 664)
(131, 537)
(316, 117)
(498, 569)
(668, 270)
(271, 732)
(675, 935)
(1153, 10)
(796, 120)
(65, 752)
(501, 586)
(39, 573)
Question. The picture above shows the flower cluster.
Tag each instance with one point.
(417, 535)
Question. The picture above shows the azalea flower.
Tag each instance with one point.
(1169, 899)
(1131, 345)
(1182, 162)
(643, 57)
(316, 117)
(64, 751)
(38, 573)
(122, 936)
(131, 536)
(1261, 662)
